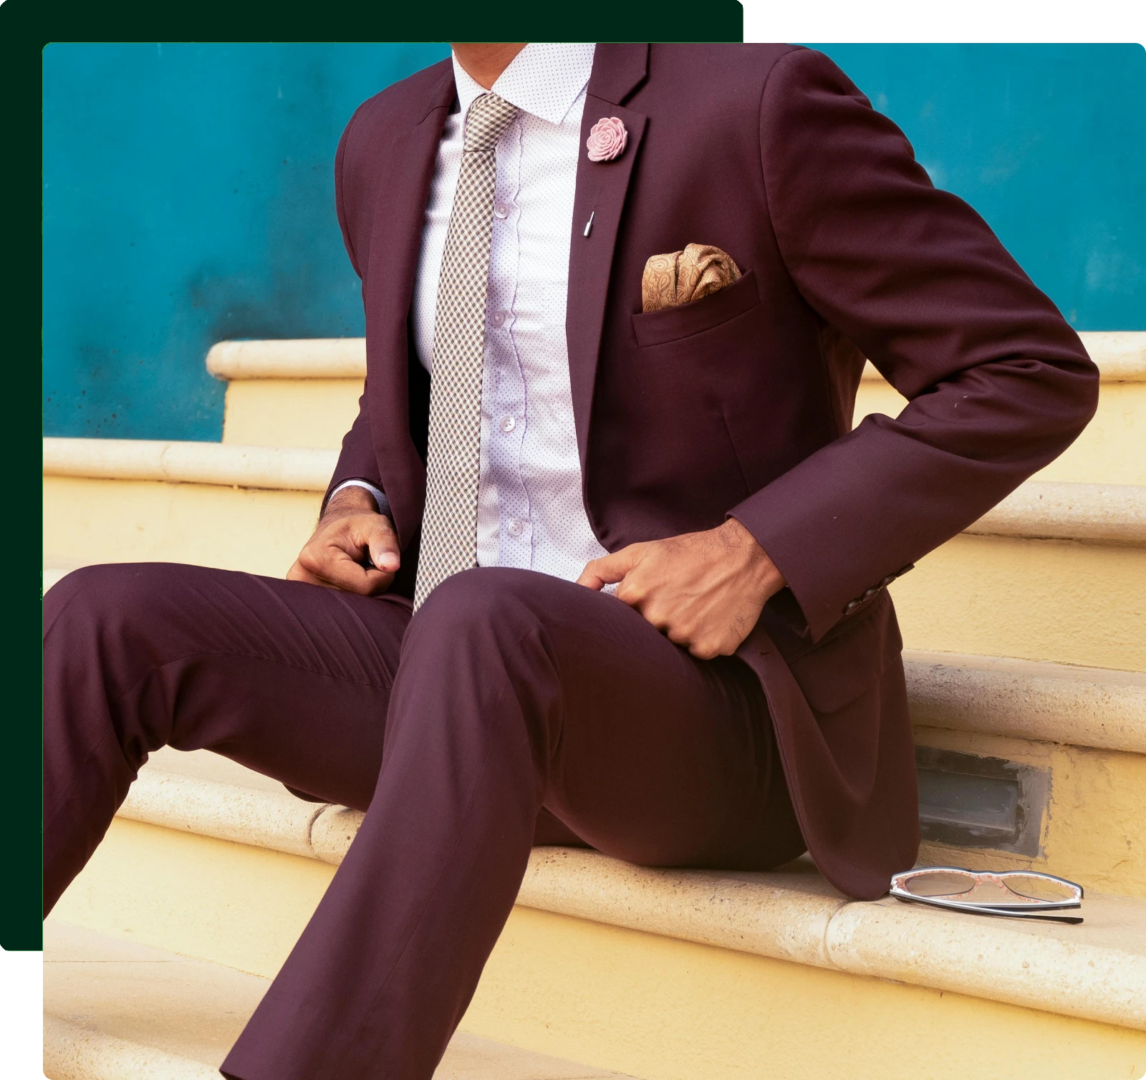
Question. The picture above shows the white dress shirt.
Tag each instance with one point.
(530, 509)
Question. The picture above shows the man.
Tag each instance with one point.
(741, 695)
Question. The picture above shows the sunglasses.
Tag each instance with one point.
(1021, 894)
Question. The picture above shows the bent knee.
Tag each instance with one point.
(485, 597)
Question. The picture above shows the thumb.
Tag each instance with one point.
(610, 569)
(382, 542)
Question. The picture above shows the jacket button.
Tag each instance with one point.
(887, 581)
(870, 593)
(852, 605)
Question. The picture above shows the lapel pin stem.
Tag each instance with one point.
(589, 223)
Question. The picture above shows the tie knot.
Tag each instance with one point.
(488, 117)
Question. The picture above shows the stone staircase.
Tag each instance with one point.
(119, 1010)
(1026, 664)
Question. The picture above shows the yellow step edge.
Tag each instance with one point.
(276, 468)
(1028, 699)
(1120, 356)
(75, 1052)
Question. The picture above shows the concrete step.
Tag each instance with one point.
(305, 393)
(1056, 572)
(674, 974)
(1031, 765)
(117, 1010)
(290, 392)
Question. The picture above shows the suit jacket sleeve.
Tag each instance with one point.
(357, 460)
(998, 383)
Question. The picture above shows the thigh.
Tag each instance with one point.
(290, 679)
(661, 758)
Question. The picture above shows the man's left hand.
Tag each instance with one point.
(704, 590)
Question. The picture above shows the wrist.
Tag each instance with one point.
(350, 500)
(758, 568)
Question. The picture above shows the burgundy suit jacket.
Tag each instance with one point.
(740, 404)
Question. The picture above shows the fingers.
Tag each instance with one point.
(610, 569)
(337, 569)
(335, 555)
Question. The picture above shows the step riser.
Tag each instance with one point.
(1089, 828)
(290, 412)
(319, 412)
(1063, 601)
(636, 1002)
(1076, 603)
(92, 521)
(1109, 450)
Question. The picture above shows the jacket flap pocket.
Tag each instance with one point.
(674, 323)
(847, 663)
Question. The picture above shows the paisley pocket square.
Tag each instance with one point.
(684, 276)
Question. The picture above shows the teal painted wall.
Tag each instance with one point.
(1047, 142)
(188, 197)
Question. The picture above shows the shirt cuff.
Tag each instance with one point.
(380, 500)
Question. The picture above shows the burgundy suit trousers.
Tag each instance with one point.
(514, 708)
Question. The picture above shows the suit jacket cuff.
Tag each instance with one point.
(831, 544)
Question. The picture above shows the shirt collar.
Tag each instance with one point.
(543, 80)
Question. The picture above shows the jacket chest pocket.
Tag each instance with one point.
(704, 323)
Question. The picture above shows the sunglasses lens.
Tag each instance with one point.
(939, 883)
(1037, 888)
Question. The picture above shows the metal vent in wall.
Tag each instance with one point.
(981, 802)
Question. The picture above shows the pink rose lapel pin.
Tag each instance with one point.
(607, 139)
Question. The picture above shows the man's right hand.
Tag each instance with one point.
(350, 535)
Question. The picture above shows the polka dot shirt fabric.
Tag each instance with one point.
(530, 509)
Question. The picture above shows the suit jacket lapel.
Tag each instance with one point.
(395, 243)
(601, 190)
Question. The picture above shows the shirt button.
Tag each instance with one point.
(501, 210)
(497, 318)
(508, 424)
(515, 528)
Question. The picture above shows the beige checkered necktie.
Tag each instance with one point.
(449, 525)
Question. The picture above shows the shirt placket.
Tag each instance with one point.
(504, 378)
